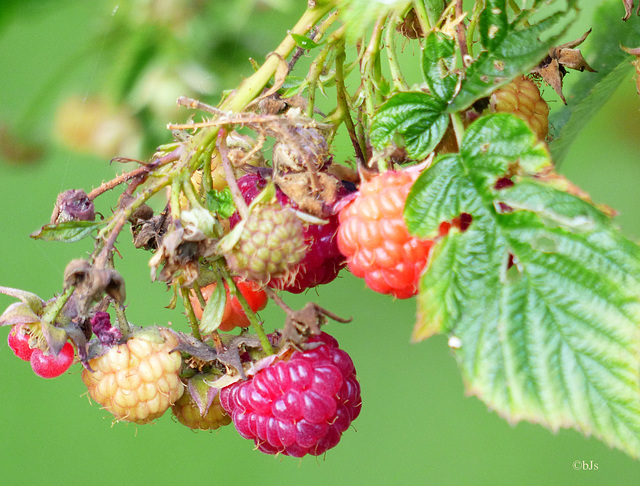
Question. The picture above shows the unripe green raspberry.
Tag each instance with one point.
(188, 413)
(522, 98)
(270, 246)
(137, 381)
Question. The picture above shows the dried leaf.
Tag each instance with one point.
(553, 68)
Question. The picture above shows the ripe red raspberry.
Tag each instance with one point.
(297, 406)
(18, 340)
(233, 315)
(137, 381)
(374, 237)
(522, 98)
(322, 261)
(188, 414)
(49, 366)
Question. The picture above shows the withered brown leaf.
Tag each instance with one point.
(553, 67)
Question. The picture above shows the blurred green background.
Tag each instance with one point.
(416, 425)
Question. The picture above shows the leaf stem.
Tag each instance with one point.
(458, 127)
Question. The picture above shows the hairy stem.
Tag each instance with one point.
(51, 313)
(399, 82)
(191, 316)
(255, 324)
(343, 105)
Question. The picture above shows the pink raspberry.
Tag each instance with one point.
(322, 261)
(299, 406)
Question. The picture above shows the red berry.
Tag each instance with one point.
(322, 261)
(233, 314)
(49, 366)
(374, 237)
(297, 406)
(18, 340)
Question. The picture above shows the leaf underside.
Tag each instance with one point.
(541, 291)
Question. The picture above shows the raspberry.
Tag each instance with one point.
(297, 406)
(374, 237)
(137, 381)
(322, 261)
(233, 314)
(18, 340)
(188, 414)
(522, 98)
(49, 366)
(270, 246)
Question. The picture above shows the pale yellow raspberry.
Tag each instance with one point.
(137, 381)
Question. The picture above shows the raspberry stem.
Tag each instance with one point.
(343, 105)
(53, 310)
(193, 321)
(121, 319)
(255, 324)
(399, 82)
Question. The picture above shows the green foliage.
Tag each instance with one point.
(221, 202)
(304, 42)
(438, 64)
(67, 232)
(359, 15)
(541, 294)
(511, 51)
(418, 118)
(592, 91)
(214, 310)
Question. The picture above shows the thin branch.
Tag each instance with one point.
(238, 199)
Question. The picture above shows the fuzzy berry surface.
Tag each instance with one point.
(322, 261)
(374, 237)
(18, 340)
(49, 366)
(300, 405)
(233, 314)
(138, 380)
(188, 414)
(270, 246)
(522, 98)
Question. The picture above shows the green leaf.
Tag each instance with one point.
(516, 52)
(303, 41)
(540, 295)
(493, 24)
(416, 119)
(438, 64)
(434, 9)
(213, 311)
(592, 90)
(359, 15)
(221, 202)
(67, 232)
